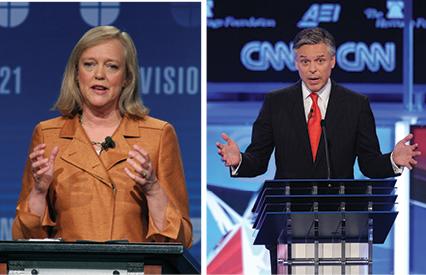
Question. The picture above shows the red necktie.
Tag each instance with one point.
(314, 125)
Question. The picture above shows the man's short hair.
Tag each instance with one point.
(313, 36)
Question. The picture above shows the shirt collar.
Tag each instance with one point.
(324, 93)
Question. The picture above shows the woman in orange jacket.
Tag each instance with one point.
(105, 169)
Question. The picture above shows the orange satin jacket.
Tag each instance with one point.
(92, 198)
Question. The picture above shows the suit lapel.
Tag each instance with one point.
(334, 112)
(80, 152)
(301, 127)
(128, 128)
(335, 107)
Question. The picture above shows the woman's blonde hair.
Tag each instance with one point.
(70, 100)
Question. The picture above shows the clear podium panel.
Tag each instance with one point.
(307, 207)
(329, 227)
(324, 187)
(326, 203)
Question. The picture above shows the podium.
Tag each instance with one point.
(51, 257)
(288, 212)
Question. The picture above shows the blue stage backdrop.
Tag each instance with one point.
(35, 42)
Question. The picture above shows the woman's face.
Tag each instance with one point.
(102, 75)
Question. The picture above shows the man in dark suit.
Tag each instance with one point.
(291, 122)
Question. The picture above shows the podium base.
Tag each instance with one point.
(329, 259)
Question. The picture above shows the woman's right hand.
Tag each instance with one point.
(42, 168)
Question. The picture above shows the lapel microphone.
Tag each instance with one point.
(108, 143)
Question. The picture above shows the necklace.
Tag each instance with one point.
(99, 146)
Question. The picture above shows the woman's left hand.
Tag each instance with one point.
(143, 172)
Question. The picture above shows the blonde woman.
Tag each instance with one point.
(104, 169)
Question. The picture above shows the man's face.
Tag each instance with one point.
(314, 64)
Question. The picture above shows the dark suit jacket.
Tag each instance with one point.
(281, 125)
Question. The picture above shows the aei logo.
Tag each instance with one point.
(318, 13)
(12, 14)
(99, 13)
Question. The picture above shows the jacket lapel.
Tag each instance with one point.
(334, 112)
(334, 108)
(129, 128)
(301, 127)
(80, 152)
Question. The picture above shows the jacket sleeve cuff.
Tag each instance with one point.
(32, 225)
(171, 229)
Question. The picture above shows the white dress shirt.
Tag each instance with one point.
(323, 97)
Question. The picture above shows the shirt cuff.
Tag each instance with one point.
(396, 168)
(234, 170)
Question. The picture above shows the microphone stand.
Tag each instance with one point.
(327, 158)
